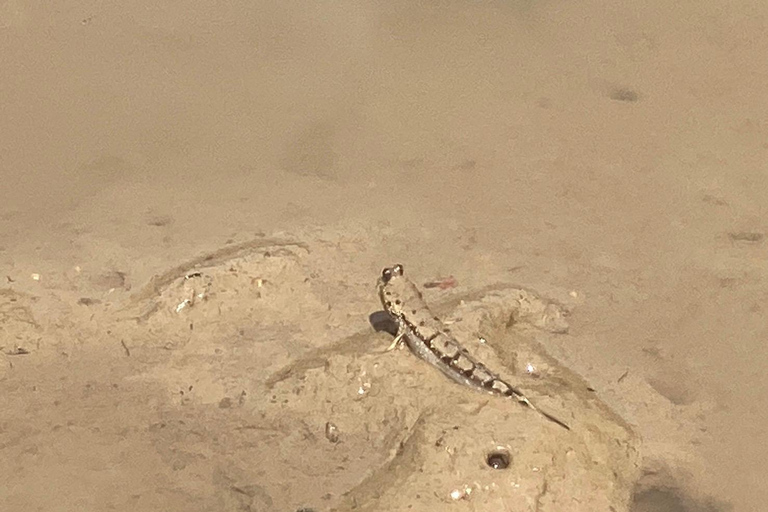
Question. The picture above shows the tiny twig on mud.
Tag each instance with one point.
(18, 351)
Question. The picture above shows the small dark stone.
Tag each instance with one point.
(498, 460)
(624, 94)
(159, 220)
(746, 236)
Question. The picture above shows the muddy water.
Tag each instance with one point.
(616, 151)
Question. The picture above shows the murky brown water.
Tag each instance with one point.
(618, 150)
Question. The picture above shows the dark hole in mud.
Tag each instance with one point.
(498, 459)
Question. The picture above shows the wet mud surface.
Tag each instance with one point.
(235, 381)
(196, 200)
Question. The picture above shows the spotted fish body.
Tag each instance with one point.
(428, 338)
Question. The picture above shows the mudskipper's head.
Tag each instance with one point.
(389, 276)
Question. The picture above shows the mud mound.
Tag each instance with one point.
(260, 385)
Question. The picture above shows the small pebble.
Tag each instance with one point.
(331, 432)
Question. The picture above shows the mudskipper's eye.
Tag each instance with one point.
(386, 275)
(397, 270)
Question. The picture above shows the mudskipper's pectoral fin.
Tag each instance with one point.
(399, 340)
